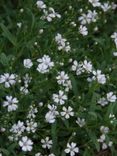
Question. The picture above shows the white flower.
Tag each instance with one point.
(46, 143)
(41, 5)
(62, 43)
(27, 63)
(32, 112)
(51, 154)
(73, 24)
(114, 53)
(104, 129)
(102, 138)
(52, 109)
(24, 90)
(99, 76)
(19, 24)
(31, 126)
(67, 112)
(104, 146)
(101, 79)
(51, 115)
(84, 19)
(8, 79)
(27, 79)
(91, 16)
(87, 66)
(105, 7)
(114, 35)
(111, 97)
(113, 5)
(110, 143)
(72, 149)
(38, 154)
(50, 14)
(83, 30)
(41, 31)
(78, 67)
(25, 144)
(59, 98)
(80, 122)
(10, 103)
(95, 3)
(21, 10)
(103, 101)
(18, 128)
(62, 77)
(45, 64)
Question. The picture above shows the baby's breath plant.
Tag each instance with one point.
(58, 78)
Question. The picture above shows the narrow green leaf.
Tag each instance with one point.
(74, 85)
(8, 34)
(54, 136)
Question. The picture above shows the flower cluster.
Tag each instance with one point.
(62, 43)
(48, 13)
(103, 138)
(45, 64)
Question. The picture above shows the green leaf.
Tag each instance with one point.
(74, 85)
(94, 140)
(86, 153)
(54, 136)
(8, 34)
(4, 151)
(3, 59)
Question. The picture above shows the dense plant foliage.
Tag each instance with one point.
(58, 77)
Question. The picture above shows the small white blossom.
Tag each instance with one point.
(28, 63)
(26, 144)
(38, 154)
(62, 78)
(19, 24)
(111, 97)
(115, 53)
(103, 101)
(62, 43)
(67, 112)
(105, 7)
(59, 98)
(72, 149)
(78, 67)
(46, 143)
(99, 76)
(104, 146)
(81, 122)
(51, 115)
(18, 128)
(41, 5)
(8, 79)
(31, 126)
(87, 66)
(104, 129)
(95, 3)
(32, 112)
(50, 14)
(45, 64)
(83, 30)
(91, 16)
(102, 138)
(10, 103)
